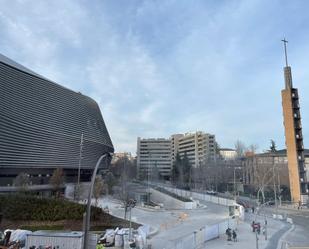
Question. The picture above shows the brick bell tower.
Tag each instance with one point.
(293, 136)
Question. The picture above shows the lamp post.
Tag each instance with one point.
(88, 210)
(130, 204)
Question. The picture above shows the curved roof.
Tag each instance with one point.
(42, 122)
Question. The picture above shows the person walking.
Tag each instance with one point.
(229, 234)
(234, 234)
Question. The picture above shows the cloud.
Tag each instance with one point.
(162, 68)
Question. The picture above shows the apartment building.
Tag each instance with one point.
(269, 165)
(227, 154)
(200, 147)
(153, 154)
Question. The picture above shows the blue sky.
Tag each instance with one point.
(170, 66)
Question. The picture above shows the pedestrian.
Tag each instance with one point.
(252, 209)
(299, 204)
(258, 228)
(234, 236)
(253, 226)
(229, 234)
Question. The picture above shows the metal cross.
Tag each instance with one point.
(286, 56)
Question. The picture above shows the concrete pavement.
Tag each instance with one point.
(247, 238)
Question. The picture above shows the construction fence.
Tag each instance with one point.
(197, 239)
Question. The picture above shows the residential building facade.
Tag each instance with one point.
(227, 154)
(200, 147)
(272, 166)
(153, 157)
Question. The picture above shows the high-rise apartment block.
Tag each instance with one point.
(153, 154)
(160, 153)
(198, 146)
(294, 137)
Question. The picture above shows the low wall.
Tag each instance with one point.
(200, 196)
(170, 202)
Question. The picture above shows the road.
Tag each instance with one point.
(170, 224)
(299, 236)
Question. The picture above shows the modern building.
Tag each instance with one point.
(294, 137)
(153, 157)
(227, 154)
(272, 166)
(41, 125)
(175, 145)
(200, 147)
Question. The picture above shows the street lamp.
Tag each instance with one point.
(88, 210)
(130, 204)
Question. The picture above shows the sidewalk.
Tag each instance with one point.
(247, 239)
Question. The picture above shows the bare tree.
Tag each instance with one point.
(57, 180)
(117, 167)
(22, 181)
(240, 148)
(253, 148)
(110, 182)
(98, 188)
(263, 174)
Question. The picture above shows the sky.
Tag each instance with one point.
(171, 66)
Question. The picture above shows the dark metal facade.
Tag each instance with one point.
(41, 123)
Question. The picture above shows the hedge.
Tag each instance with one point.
(23, 207)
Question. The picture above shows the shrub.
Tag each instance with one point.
(22, 207)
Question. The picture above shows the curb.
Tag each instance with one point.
(153, 233)
(281, 240)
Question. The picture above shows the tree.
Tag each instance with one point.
(272, 146)
(98, 188)
(263, 174)
(22, 181)
(217, 148)
(110, 181)
(187, 170)
(176, 169)
(57, 180)
(124, 163)
(253, 148)
(240, 148)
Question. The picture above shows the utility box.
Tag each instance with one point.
(59, 240)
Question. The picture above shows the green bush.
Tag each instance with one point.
(23, 207)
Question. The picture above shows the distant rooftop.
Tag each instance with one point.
(279, 153)
(227, 149)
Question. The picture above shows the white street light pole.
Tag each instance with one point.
(88, 210)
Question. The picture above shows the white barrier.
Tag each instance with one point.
(212, 232)
(206, 197)
(201, 236)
